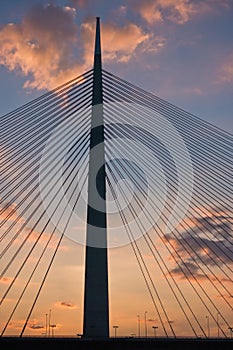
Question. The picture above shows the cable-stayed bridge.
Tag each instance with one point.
(106, 164)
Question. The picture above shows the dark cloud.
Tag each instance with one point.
(188, 270)
(208, 243)
(66, 304)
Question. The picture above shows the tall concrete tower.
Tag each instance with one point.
(96, 308)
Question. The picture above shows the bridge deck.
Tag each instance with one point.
(114, 344)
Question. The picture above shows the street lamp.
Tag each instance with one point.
(138, 316)
(208, 326)
(145, 325)
(53, 326)
(46, 325)
(49, 320)
(115, 328)
(154, 328)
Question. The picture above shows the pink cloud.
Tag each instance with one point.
(177, 11)
(5, 279)
(48, 48)
(41, 46)
(153, 11)
(9, 213)
(45, 45)
(119, 43)
(16, 324)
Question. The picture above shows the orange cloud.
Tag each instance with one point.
(119, 43)
(178, 11)
(125, 40)
(5, 279)
(41, 239)
(34, 325)
(45, 45)
(41, 46)
(8, 212)
(10, 215)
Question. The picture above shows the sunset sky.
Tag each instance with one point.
(179, 50)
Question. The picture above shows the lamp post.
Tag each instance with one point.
(154, 328)
(49, 320)
(208, 326)
(46, 325)
(138, 316)
(115, 328)
(145, 325)
(53, 326)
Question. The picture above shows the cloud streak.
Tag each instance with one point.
(35, 326)
(66, 305)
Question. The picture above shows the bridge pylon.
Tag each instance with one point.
(96, 306)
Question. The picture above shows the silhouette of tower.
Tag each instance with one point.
(96, 308)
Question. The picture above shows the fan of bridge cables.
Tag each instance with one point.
(168, 197)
